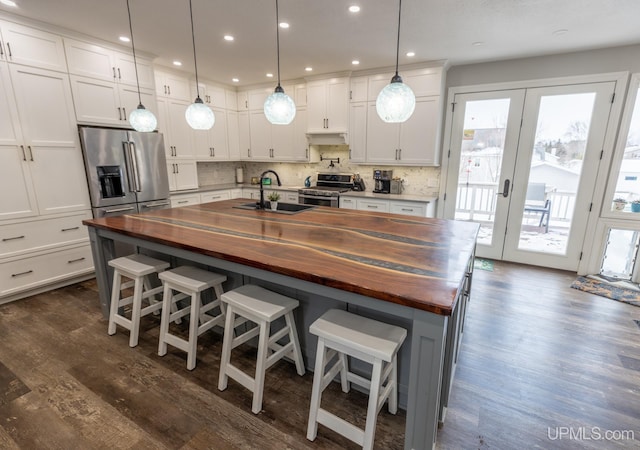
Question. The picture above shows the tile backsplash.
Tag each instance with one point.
(422, 181)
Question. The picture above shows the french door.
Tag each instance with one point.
(523, 164)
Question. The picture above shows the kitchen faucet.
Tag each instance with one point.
(260, 205)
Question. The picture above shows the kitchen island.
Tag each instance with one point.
(414, 272)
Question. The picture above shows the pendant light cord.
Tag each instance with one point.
(195, 62)
(398, 40)
(278, 41)
(133, 47)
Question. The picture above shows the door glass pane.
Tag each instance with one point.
(628, 184)
(556, 165)
(485, 126)
(620, 254)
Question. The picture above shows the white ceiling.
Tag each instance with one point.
(325, 36)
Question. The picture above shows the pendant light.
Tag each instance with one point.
(279, 108)
(141, 119)
(396, 101)
(199, 116)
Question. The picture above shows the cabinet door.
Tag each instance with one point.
(25, 45)
(97, 101)
(10, 132)
(126, 70)
(219, 140)
(244, 135)
(231, 100)
(89, 60)
(338, 105)
(179, 133)
(260, 129)
(233, 135)
(382, 138)
(408, 208)
(163, 127)
(18, 198)
(282, 142)
(59, 179)
(373, 205)
(418, 135)
(182, 175)
(45, 107)
(172, 86)
(316, 107)
(129, 100)
(300, 151)
(357, 131)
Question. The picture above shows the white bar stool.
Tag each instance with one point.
(137, 268)
(189, 282)
(340, 334)
(262, 307)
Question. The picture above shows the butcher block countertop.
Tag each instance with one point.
(412, 261)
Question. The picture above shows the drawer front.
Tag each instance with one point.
(373, 205)
(185, 200)
(28, 273)
(42, 234)
(410, 209)
(289, 197)
(348, 203)
(214, 196)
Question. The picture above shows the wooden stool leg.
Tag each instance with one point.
(263, 352)
(296, 354)
(372, 409)
(115, 300)
(227, 344)
(167, 301)
(393, 378)
(136, 306)
(344, 381)
(194, 321)
(316, 392)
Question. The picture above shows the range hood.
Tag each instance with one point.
(328, 138)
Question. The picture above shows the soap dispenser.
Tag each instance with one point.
(307, 181)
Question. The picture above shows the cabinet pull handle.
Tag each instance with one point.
(183, 201)
(406, 209)
(70, 229)
(249, 153)
(119, 75)
(9, 50)
(24, 155)
(114, 72)
(124, 114)
(1, 52)
(71, 261)
(399, 154)
(30, 152)
(169, 89)
(372, 206)
(119, 114)
(165, 89)
(177, 168)
(21, 273)
(12, 238)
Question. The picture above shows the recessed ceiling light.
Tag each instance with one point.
(235, 80)
(269, 75)
(228, 37)
(354, 8)
(560, 32)
(177, 63)
(308, 69)
(355, 62)
(124, 39)
(411, 54)
(478, 44)
(284, 25)
(8, 3)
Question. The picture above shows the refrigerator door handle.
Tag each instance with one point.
(134, 160)
(128, 166)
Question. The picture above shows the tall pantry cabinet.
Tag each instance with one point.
(42, 178)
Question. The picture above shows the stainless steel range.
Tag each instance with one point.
(327, 190)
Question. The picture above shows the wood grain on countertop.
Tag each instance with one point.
(412, 261)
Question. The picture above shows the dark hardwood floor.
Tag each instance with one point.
(541, 366)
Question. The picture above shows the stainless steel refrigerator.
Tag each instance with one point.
(126, 170)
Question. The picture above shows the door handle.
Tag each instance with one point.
(128, 166)
(136, 172)
(505, 189)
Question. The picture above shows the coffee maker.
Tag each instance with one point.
(382, 181)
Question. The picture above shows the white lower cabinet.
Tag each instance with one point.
(185, 200)
(27, 273)
(183, 174)
(215, 196)
(409, 208)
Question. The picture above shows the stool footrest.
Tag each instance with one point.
(341, 426)
(244, 337)
(241, 377)
(277, 355)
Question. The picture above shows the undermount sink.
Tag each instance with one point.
(283, 208)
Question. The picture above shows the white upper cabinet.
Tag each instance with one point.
(423, 82)
(358, 91)
(233, 136)
(244, 135)
(178, 135)
(213, 144)
(357, 132)
(231, 100)
(98, 62)
(211, 95)
(10, 133)
(328, 105)
(31, 47)
(171, 85)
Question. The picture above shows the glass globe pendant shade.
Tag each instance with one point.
(141, 119)
(395, 102)
(199, 116)
(279, 108)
